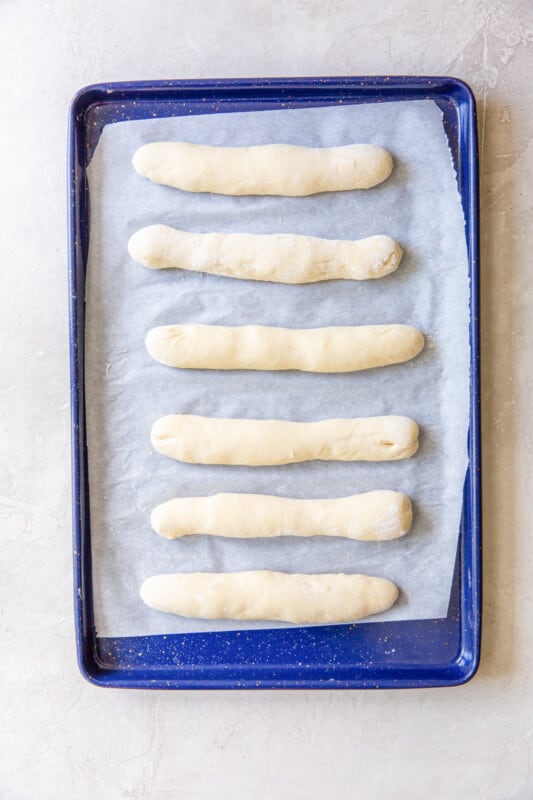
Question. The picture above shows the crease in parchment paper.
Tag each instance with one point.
(126, 391)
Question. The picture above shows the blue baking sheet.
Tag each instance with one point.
(394, 654)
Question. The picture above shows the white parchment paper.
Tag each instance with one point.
(127, 391)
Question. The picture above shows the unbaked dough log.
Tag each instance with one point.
(345, 349)
(264, 595)
(255, 442)
(273, 169)
(372, 516)
(277, 257)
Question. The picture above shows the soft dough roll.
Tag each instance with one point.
(338, 349)
(265, 595)
(372, 516)
(253, 442)
(276, 257)
(272, 169)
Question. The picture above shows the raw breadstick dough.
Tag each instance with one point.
(264, 595)
(258, 347)
(265, 442)
(278, 257)
(275, 169)
(372, 516)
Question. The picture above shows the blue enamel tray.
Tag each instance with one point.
(435, 652)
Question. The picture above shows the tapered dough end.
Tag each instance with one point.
(380, 164)
(414, 341)
(145, 158)
(147, 246)
(161, 439)
(151, 590)
(383, 255)
(389, 594)
(157, 343)
(405, 514)
(393, 516)
(405, 441)
(159, 521)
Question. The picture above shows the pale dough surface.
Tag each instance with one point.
(335, 349)
(265, 595)
(254, 442)
(272, 169)
(372, 516)
(276, 257)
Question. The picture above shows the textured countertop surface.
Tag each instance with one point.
(62, 738)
